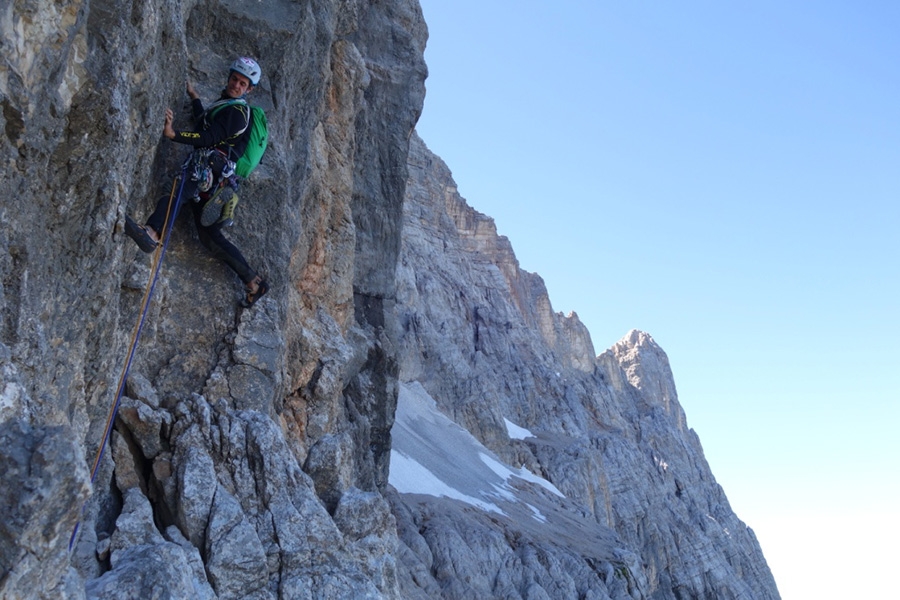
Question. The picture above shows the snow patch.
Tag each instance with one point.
(434, 456)
(506, 472)
(515, 432)
(537, 514)
(410, 477)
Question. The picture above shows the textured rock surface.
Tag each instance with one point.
(42, 484)
(225, 406)
(481, 529)
(479, 335)
(251, 452)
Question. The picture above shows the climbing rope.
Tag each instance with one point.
(138, 327)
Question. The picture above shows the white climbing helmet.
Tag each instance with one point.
(248, 68)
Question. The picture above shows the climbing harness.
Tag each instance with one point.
(216, 185)
(171, 210)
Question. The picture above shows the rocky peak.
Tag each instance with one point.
(646, 370)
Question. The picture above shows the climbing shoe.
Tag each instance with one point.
(227, 218)
(253, 297)
(140, 235)
(212, 210)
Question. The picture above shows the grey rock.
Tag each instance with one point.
(126, 473)
(329, 463)
(88, 553)
(43, 486)
(104, 548)
(479, 335)
(241, 498)
(202, 589)
(158, 571)
(83, 94)
(134, 527)
(236, 561)
(480, 537)
(146, 424)
(196, 489)
(258, 352)
(368, 526)
(140, 388)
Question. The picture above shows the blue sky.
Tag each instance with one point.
(726, 177)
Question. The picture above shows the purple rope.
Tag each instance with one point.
(111, 419)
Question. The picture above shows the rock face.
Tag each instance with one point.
(252, 450)
(479, 336)
(248, 438)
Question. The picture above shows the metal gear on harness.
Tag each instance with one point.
(210, 168)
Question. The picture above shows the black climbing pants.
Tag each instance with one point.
(211, 237)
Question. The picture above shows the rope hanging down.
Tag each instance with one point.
(138, 327)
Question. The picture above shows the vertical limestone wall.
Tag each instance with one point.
(228, 411)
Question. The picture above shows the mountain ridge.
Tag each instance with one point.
(607, 431)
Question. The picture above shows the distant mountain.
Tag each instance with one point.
(636, 513)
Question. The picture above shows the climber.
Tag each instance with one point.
(219, 140)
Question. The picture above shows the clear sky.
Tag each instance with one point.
(726, 177)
